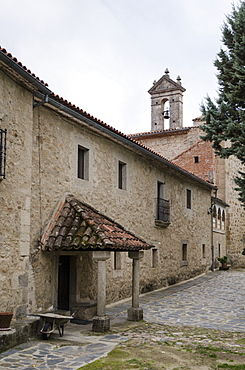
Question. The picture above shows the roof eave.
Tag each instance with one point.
(125, 139)
(23, 73)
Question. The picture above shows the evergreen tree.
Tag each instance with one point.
(225, 118)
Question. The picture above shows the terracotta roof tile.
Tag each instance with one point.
(14, 59)
(78, 227)
(161, 132)
(103, 124)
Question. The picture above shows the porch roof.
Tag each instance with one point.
(78, 226)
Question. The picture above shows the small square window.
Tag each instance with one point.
(122, 175)
(196, 159)
(83, 163)
(154, 257)
(188, 198)
(203, 251)
(117, 261)
(184, 252)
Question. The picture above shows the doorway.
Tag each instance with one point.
(64, 283)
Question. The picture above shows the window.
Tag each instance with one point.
(83, 163)
(188, 198)
(154, 257)
(117, 261)
(203, 251)
(223, 220)
(219, 219)
(196, 159)
(122, 175)
(184, 252)
(214, 217)
(163, 208)
(219, 250)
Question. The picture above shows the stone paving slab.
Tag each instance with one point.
(67, 353)
(215, 300)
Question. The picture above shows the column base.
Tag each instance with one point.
(135, 314)
(101, 324)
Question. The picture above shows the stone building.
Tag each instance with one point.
(184, 147)
(81, 201)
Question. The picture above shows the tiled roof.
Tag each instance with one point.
(21, 65)
(129, 138)
(77, 227)
(161, 132)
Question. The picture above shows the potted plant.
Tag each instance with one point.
(223, 261)
(5, 320)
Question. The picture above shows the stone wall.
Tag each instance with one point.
(236, 221)
(170, 143)
(181, 147)
(42, 169)
(16, 115)
(198, 159)
(56, 140)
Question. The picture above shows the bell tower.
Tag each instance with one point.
(166, 103)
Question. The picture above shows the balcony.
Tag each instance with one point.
(3, 134)
(163, 213)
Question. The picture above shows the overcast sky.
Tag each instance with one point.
(103, 55)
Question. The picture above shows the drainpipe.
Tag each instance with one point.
(123, 138)
(211, 211)
(37, 103)
(212, 240)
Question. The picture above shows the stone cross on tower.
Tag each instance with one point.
(166, 100)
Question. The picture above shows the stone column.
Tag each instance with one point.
(101, 322)
(135, 313)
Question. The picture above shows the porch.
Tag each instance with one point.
(78, 230)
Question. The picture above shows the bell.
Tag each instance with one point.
(166, 114)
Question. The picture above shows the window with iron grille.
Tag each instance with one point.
(3, 134)
(163, 208)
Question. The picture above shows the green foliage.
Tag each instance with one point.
(223, 259)
(225, 118)
(231, 367)
(240, 182)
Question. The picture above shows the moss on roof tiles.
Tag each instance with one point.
(78, 226)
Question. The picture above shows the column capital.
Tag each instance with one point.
(136, 255)
(101, 255)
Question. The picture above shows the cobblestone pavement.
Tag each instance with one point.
(215, 300)
(68, 353)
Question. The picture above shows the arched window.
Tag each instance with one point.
(214, 217)
(223, 220)
(165, 113)
(219, 219)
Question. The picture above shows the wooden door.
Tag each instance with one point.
(64, 283)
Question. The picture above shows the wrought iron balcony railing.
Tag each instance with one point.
(163, 210)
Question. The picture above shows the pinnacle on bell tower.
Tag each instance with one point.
(166, 103)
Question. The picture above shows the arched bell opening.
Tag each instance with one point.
(165, 113)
